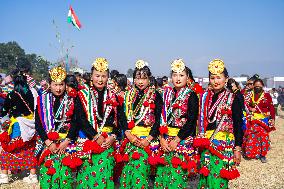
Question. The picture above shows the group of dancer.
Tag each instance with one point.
(103, 134)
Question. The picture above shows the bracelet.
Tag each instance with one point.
(50, 144)
(96, 136)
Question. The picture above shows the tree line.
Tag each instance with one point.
(12, 56)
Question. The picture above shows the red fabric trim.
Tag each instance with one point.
(84, 102)
(263, 125)
(43, 155)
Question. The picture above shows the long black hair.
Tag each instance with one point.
(230, 82)
(145, 71)
(258, 80)
(113, 74)
(159, 82)
(87, 77)
(121, 81)
(20, 82)
(71, 81)
(153, 81)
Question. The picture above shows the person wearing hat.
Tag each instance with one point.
(177, 157)
(18, 138)
(97, 113)
(220, 131)
(143, 107)
(57, 133)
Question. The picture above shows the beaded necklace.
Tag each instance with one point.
(259, 99)
(107, 108)
(204, 108)
(94, 99)
(58, 115)
(167, 112)
(140, 103)
(140, 110)
(181, 96)
(212, 108)
(46, 111)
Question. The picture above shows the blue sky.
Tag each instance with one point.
(247, 34)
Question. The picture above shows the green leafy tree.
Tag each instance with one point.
(12, 56)
(9, 54)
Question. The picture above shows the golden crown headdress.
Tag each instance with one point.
(178, 66)
(57, 74)
(140, 64)
(101, 64)
(216, 66)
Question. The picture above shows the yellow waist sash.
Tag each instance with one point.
(221, 135)
(13, 120)
(62, 136)
(173, 131)
(140, 131)
(258, 116)
(107, 129)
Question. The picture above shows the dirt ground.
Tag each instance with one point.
(254, 174)
(270, 175)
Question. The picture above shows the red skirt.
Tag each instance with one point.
(21, 158)
(256, 142)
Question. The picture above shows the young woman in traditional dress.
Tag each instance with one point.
(260, 123)
(57, 132)
(177, 158)
(143, 106)
(18, 137)
(220, 131)
(97, 112)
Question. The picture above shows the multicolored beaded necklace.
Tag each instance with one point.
(167, 111)
(140, 110)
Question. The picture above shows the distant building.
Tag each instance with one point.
(77, 69)
(275, 82)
